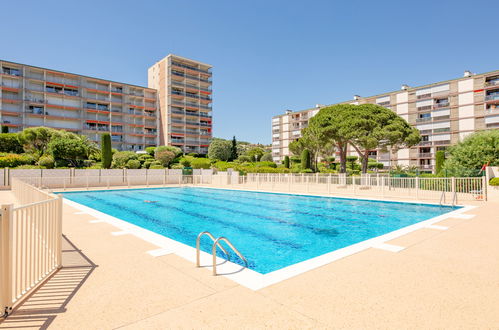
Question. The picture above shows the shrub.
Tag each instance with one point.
(147, 163)
(73, 150)
(286, 162)
(244, 158)
(46, 161)
(164, 156)
(223, 166)
(121, 158)
(494, 182)
(15, 160)
(352, 159)
(150, 151)
(106, 153)
(201, 163)
(267, 157)
(61, 163)
(133, 164)
(176, 151)
(305, 159)
(5, 129)
(145, 157)
(9, 142)
(185, 162)
(156, 166)
(177, 166)
(307, 170)
(295, 159)
(265, 164)
(220, 150)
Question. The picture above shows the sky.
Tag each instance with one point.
(267, 56)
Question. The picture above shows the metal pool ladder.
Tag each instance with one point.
(216, 242)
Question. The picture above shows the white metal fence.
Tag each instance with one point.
(446, 190)
(30, 242)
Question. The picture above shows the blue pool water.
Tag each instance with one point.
(271, 230)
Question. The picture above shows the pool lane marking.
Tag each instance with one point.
(389, 247)
(160, 252)
(437, 227)
(120, 233)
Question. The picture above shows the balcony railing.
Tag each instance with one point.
(441, 105)
(492, 83)
(425, 107)
(492, 97)
(425, 155)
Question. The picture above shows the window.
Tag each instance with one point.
(11, 71)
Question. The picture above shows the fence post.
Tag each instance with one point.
(329, 184)
(453, 186)
(383, 186)
(484, 187)
(59, 232)
(6, 258)
(353, 184)
(417, 187)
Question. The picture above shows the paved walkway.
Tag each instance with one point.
(443, 279)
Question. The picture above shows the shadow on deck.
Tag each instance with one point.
(40, 309)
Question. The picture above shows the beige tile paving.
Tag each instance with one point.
(443, 279)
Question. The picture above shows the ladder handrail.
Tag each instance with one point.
(214, 252)
(198, 239)
(442, 196)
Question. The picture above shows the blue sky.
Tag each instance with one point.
(268, 56)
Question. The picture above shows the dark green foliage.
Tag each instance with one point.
(439, 161)
(233, 149)
(150, 150)
(9, 142)
(185, 162)
(72, 150)
(204, 163)
(5, 129)
(121, 158)
(468, 156)
(494, 182)
(46, 161)
(305, 159)
(286, 161)
(133, 164)
(106, 153)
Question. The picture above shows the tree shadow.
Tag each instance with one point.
(42, 306)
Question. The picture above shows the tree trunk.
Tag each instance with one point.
(365, 160)
(343, 157)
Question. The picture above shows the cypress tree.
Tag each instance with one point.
(106, 152)
(305, 159)
(233, 149)
(439, 161)
(286, 162)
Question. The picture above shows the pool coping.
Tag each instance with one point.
(247, 277)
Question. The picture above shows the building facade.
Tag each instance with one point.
(443, 112)
(32, 96)
(184, 92)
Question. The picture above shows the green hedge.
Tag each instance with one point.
(14, 160)
(494, 182)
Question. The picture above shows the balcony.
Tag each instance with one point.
(492, 97)
(426, 167)
(491, 83)
(11, 72)
(424, 96)
(423, 108)
(441, 105)
(425, 155)
(422, 120)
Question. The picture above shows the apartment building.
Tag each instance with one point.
(184, 91)
(444, 112)
(32, 96)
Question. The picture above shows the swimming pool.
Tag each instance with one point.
(271, 230)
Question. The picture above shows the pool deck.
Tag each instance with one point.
(441, 279)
